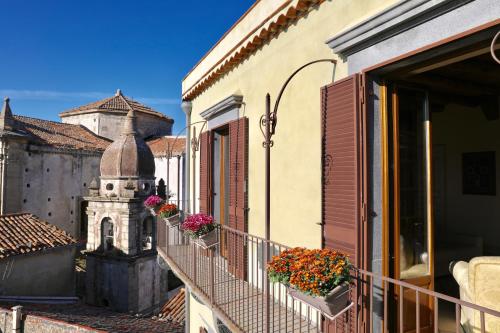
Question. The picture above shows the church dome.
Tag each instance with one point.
(129, 155)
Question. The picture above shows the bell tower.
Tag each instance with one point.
(122, 268)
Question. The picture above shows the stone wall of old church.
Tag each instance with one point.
(49, 183)
(106, 124)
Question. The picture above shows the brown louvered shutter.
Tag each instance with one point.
(238, 201)
(343, 175)
(205, 166)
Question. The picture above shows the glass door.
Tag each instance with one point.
(411, 199)
(221, 183)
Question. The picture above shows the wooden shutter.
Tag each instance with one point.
(205, 167)
(238, 201)
(343, 175)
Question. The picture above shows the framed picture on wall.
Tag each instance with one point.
(479, 173)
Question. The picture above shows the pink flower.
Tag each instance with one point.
(153, 201)
(198, 224)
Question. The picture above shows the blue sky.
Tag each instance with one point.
(58, 54)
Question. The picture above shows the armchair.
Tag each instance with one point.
(479, 284)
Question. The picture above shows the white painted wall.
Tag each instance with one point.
(109, 124)
(176, 163)
(465, 130)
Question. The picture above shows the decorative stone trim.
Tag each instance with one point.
(230, 103)
(392, 21)
(266, 31)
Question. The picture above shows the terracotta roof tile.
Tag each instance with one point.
(117, 103)
(25, 233)
(61, 135)
(261, 35)
(160, 146)
(173, 310)
(99, 318)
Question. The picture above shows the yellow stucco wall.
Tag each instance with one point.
(296, 155)
(200, 316)
(296, 158)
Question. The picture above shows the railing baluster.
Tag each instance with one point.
(308, 319)
(371, 304)
(401, 307)
(417, 309)
(436, 315)
(483, 322)
(384, 285)
(212, 275)
(457, 318)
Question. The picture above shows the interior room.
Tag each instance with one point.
(450, 110)
(463, 99)
(444, 146)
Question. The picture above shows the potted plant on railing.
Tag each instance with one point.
(153, 202)
(170, 214)
(201, 228)
(319, 278)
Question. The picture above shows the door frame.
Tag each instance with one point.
(389, 115)
(223, 134)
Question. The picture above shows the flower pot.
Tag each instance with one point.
(330, 305)
(207, 240)
(152, 210)
(173, 221)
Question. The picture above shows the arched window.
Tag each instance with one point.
(147, 233)
(107, 234)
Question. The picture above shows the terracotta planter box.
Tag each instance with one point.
(207, 240)
(173, 221)
(330, 305)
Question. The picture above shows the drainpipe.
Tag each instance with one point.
(178, 180)
(187, 107)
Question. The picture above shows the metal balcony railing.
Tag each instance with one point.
(231, 279)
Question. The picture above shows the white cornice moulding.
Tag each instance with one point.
(392, 21)
(228, 104)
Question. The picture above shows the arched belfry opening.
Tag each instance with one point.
(121, 242)
(107, 234)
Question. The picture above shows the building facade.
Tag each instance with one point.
(37, 259)
(46, 168)
(104, 117)
(169, 153)
(122, 268)
(370, 156)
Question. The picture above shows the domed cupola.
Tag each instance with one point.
(128, 159)
(129, 155)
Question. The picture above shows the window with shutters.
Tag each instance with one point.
(343, 172)
(224, 153)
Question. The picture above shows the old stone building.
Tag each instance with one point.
(122, 268)
(46, 168)
(104, 117)
(37, 259)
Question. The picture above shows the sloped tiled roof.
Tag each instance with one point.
(117, 103)
(173, 310)
(60, 135)
(25, 233)
(160, 146)
(99, 319)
